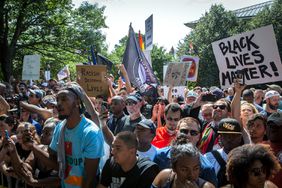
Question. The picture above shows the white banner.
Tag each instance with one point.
(31, 67)
(255, 53)
(149, 33)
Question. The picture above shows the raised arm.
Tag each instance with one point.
(125, 75)
(236, 101)
(44, 113)
(4, 106)
(111, 89)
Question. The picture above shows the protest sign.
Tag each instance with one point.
(92, 79)
(176, 74)
(175, 92)
(193, 71)
(149, 33)
(253, 53)
(31, 67)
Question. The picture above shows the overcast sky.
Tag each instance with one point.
(169, 17)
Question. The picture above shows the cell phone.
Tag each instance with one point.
(104, 106)
(209, 97)
(7, 134)
(240, 76)
(26, 127)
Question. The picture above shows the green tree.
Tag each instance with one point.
(272, 15)
(214, 25)
(50, 28)
(160, 58)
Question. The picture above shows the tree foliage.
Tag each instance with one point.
(51, 28)
(218, 24)
(214, 25)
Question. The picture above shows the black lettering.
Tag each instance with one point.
(262, 69)
(238, 59)
(246, 74)
(250, 42)
(233, 76)
(229, 66)
(225, 77)
(260, 59)
(253, 73)
(246, 57)
(242, 44)
(223, 48)
(230, 48)
(236, 46)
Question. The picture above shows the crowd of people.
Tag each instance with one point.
(54, 135)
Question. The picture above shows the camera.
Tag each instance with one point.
(240, 76)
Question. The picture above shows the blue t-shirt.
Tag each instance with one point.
(84, 141)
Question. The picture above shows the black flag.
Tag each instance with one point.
(137, 66)
(101, 60)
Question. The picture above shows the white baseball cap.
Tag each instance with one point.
(270, 94)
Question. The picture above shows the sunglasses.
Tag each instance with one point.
(2, 118)
(130, 103)
(186, 131)
(221, 107)
(172, 119)
(258, 171)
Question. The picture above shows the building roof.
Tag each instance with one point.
(242, 13)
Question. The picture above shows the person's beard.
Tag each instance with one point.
(273, 107)
(62, 117)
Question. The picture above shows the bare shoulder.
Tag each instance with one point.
(208, 185)
(162, 177)
(269, 184)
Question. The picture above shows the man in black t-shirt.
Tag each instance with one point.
(125, 169)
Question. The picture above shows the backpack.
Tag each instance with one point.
(221, 175)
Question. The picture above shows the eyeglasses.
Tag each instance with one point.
(130, 103)
(186, 131)
(221, 107)
(258, 171)
(172, 119)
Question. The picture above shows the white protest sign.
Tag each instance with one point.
(193, 71)
(149, 33)
(176, 74)
(254, 52)
(175, 92)
(31, 67)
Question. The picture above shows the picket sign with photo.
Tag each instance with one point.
(254, 53)
(193, 71)
(176, 74)
(31, 67)
(175, 92)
